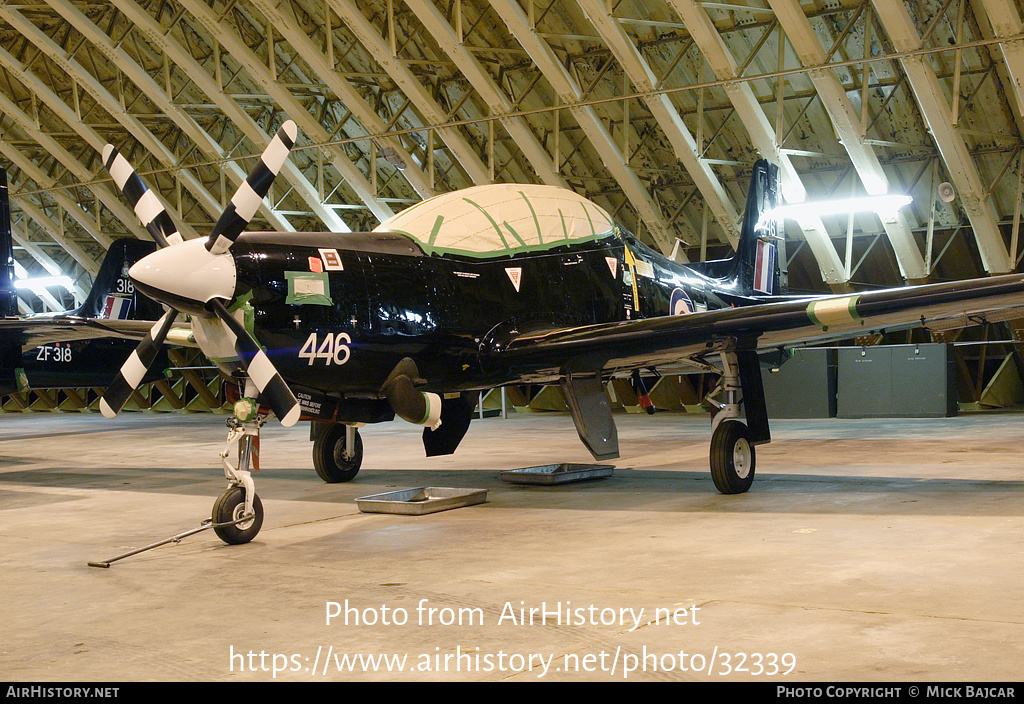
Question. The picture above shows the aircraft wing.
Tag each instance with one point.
(33, 332)
(666, 340)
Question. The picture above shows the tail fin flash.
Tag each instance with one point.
(113, 295)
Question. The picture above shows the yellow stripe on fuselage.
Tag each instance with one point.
(632, 275)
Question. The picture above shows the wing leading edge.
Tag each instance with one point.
(33, 332)
(579, 357)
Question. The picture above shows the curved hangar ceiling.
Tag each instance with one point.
(655, 109)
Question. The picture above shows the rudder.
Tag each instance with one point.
(760, 262)
(757, 267)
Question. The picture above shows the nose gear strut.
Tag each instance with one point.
(239, 499)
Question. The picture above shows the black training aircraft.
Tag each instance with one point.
(471, 290)
(84, 347)
(80, 348)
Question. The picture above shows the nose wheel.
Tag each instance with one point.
(238, 513)
(230, 521)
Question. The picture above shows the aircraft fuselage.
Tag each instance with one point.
(336, 312)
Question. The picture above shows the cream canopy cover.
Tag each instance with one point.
(501, 218)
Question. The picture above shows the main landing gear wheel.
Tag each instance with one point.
(230, 506)
(329, 454)
(732, 457)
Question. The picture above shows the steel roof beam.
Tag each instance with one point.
(1006, 21)
(70, 205)
(666, 114)
(143, 81)
(78, 170)
(317, 60)
(46, 261)
(497, 101)
(938, 117)
(847, 125)
(409, 84)
(77, 73)
(25, 308)
(288, 103)
(45, 296)
(570, 92)
(762, 135)
(159, 37)
(46, 96)
(53, 229)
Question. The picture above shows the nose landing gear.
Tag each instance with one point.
(238, 512)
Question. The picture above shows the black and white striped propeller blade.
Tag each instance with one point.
(159, 224)
(272, 386)
(252, 191)
(143, 201)
(136, 366)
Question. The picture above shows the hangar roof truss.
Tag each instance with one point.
(654, 109)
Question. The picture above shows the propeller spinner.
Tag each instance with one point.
(198, 277)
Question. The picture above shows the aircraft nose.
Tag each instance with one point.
(186, 276)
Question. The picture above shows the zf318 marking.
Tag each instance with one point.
(333, 349)
(54, 353)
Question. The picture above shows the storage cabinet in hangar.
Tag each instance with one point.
(804, 386)
(898, 381)
(886, 381)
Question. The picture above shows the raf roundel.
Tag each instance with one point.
(680, 303)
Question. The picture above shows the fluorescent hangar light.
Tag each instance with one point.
(885, 206)
(44, 282)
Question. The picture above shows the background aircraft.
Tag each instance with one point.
(65, 362)
(81, 348)
(493, 285)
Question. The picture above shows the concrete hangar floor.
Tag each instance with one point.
(866, 551)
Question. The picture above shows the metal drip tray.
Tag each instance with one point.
(557, 473)
(421, 500)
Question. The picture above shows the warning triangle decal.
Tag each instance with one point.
(515, 275)
(613, 264)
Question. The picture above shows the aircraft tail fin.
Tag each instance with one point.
(758, 266)
(8, 294)
(113, 295)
